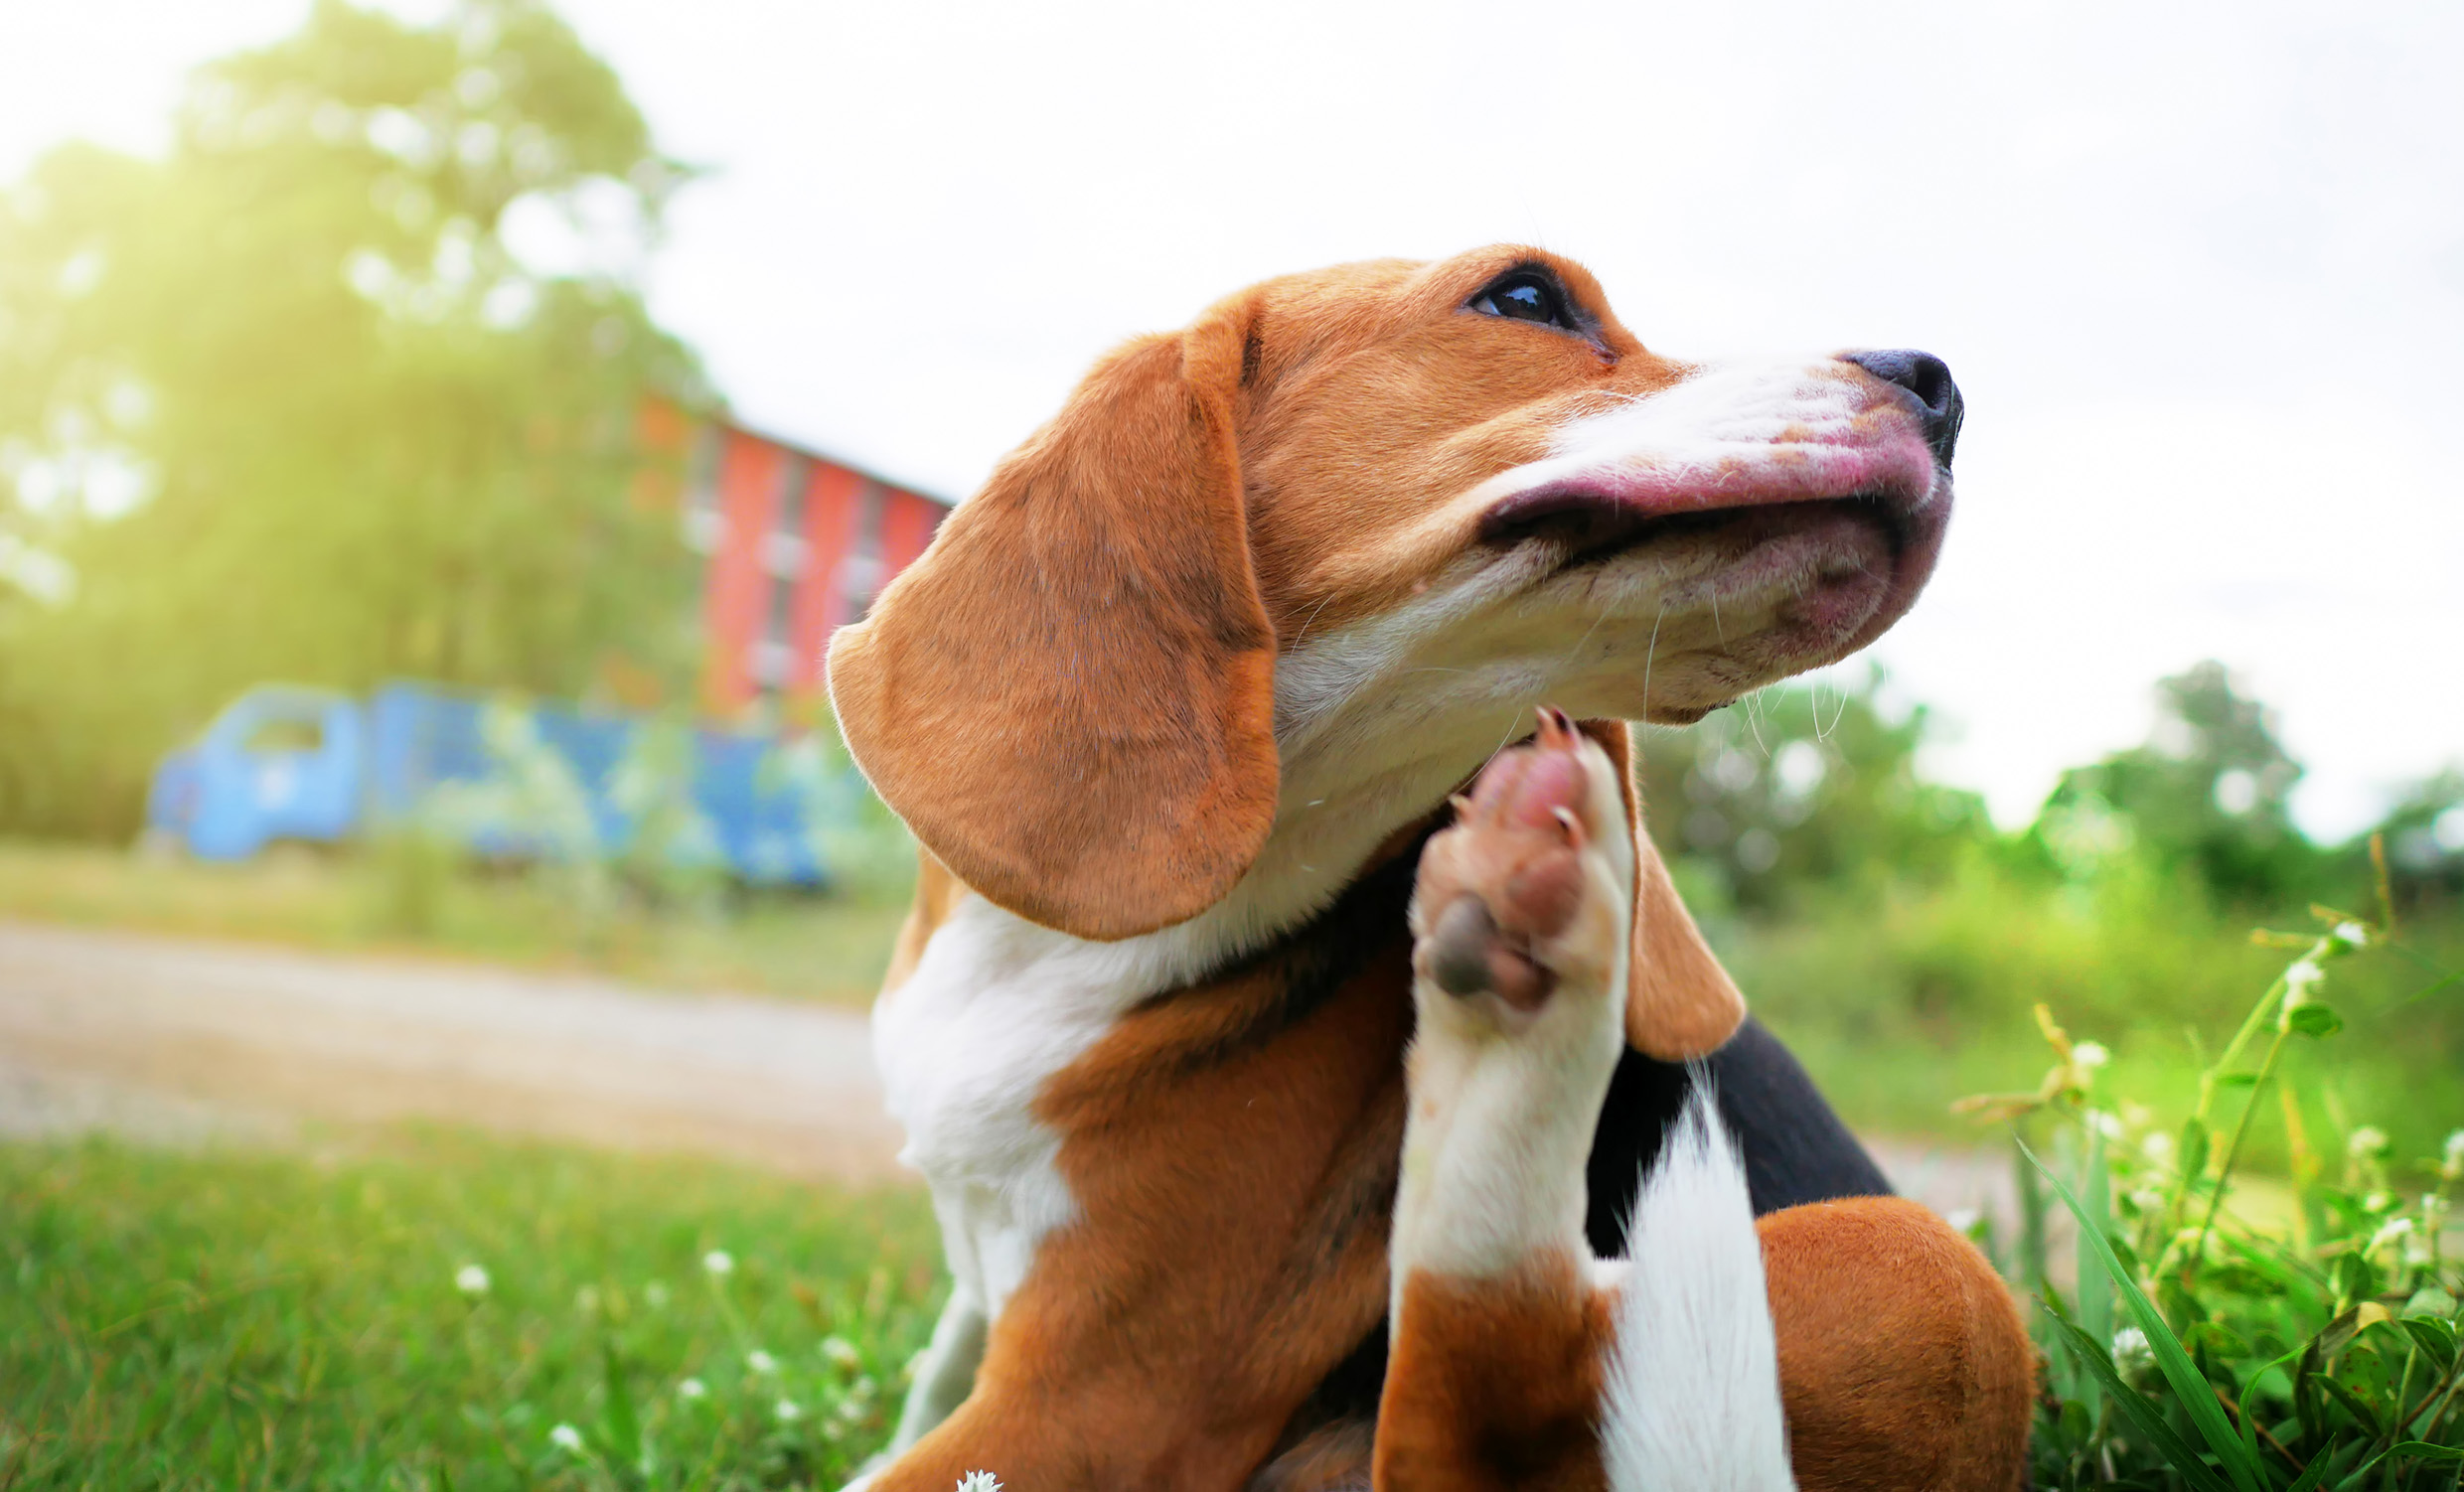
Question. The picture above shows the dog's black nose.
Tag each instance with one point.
(1929, 379)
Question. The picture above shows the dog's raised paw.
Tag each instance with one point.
(1538, 840)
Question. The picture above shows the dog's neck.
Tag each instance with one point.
(1376, 722)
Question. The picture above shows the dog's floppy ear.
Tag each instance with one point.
(1069, 697)
(1679, 1003)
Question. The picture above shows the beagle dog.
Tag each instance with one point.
(1174, 706)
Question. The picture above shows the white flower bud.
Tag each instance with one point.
(566, 1437)
(760, 1361)
(693, 1388)
(2131, 1351)
(470, 1281)
(2087, 1056)
(2369, 1142)
(720, 1263)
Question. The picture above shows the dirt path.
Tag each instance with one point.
(174, 1041)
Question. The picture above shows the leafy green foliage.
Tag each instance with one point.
(445, 1312)
(2318, 1351)
(1796, 787)
(1883, 924)
(2212, 792)
(286, 404)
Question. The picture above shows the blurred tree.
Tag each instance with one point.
(2425, 842)
(287, 405)
(1803, 783)
(2210, 792)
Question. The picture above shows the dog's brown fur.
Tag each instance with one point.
(1070, 700)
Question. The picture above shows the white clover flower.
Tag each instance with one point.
(655, 1296)
(2148, 1199)
(978, 1481)
(760, 1361)
(566, 1437)
(1961, 1219)
(2157, 1146)
(2452, 1160)
(2379, 1202)
(470, 1281)
(693, 1388)
(2388, 1232)
(2087, 1056)
(788, 1410)
(2369, 1142)
(2351, 935)
(2301, 978)
(2104, 1123)
(2130, 1349)
(840, 1352)
(720, 1263)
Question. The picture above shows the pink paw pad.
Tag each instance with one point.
(1510, 869)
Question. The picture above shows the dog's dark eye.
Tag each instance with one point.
(1525, 297)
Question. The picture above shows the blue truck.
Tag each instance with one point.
(284, 762)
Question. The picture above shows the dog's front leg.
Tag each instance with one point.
(1503, 1321)
(1520, 1360)
(946, 1372)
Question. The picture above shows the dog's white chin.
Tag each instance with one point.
(1647, 645)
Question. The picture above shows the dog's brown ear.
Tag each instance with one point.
(1069, 697)
(1679, 1003)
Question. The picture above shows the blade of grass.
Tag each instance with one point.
(2422, 1450)
(2190, 1386)
(2095, 1299)
(623, 1424)
(2249, 1396)
(2141, 1410)
(2310, 1475)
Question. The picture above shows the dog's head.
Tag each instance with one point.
(1339, 535)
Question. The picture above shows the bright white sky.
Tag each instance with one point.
(2198, 267)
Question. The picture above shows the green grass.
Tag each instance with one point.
(250, 1321)
(802, 947)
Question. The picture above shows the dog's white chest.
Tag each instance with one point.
(996, 1007)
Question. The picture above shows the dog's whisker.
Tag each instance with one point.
(1649, 654)
(1311, 621)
